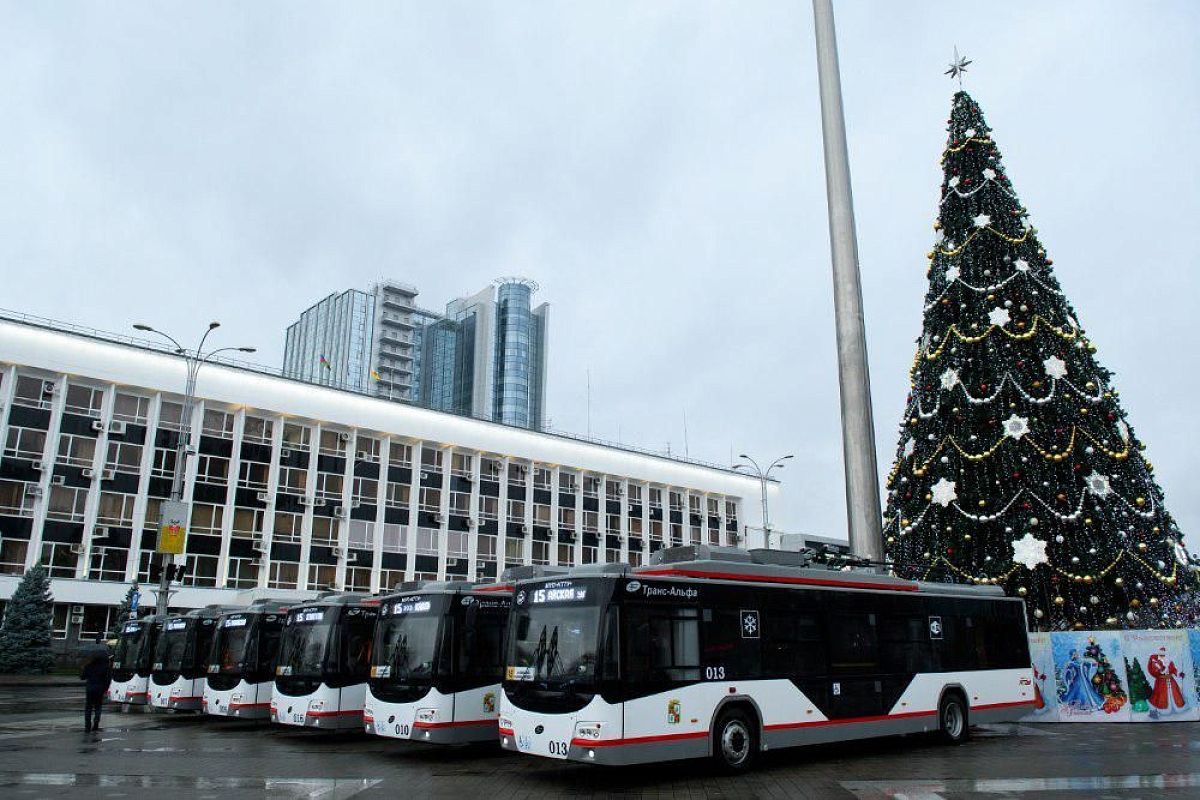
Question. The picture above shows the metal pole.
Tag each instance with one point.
(858, 433)
(762, 479)
(181, 451)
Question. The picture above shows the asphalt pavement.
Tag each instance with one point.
(45, 753)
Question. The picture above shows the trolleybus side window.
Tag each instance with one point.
(853, 643)
(904, 643)
(357, 636)
(265, 650)
(730, 651)
(792, 644)
(664, 644)
(481, 649)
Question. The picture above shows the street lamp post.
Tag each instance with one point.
(194, 359)
(763, 475)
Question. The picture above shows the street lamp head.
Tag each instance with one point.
(248, 349)
(789, 456)
(742, 455)
(137, 326)
(212, 325)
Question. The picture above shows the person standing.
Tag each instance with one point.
(97, 673)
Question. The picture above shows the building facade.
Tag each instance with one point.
(296, 487)
(485, 357)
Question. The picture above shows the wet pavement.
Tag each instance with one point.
(45, 753)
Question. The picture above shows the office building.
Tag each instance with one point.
(484, 357)
(295, 487)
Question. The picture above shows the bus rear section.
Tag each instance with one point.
(725, 653)
(241, 669)
(181, 658)
(132, 661)
(438, 660)
(324, 659)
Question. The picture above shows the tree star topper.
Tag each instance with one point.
(1029, 550)
(957, 67)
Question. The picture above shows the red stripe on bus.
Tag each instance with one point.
(993, 706)
(819, 723)
(669, 737)
(504, 731)
(695, 573)
(357, 711)
(249, 705)
(178, 699)
(504, 587)
(456, 724)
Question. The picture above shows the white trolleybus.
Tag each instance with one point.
(241, 669)
(725, 653)
(438, 660)
(324, 658)
(133, 659)
(180, 659)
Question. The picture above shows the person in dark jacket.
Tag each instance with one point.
(98, 674)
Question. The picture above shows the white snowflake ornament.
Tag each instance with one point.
(952, 274)
(944, 492)
(1055, 367)
(1022, 265)
(949, 379)
(909, 448)
(1098, 484)
(1015, 427)
(952, 182)
(989, 174)
(1029, 551)
(999, 317)
(969, 132)
(981, 221)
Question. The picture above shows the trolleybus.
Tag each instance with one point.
(722, 652)
(324, 658)
(180, 659)
(132, 660)
(437, 663)
(241, 669)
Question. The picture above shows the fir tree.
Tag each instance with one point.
(1139, 686)
(1106, 681)
(125, 610)
(28, 621)
(1016, 464)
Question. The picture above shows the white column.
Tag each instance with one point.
(385, 456)
(409, 544)
(306, 522)
(235, 466)
(34, 554)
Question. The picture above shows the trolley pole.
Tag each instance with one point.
(858, 433)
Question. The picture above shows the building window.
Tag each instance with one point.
(253, 475)
(170, 416)
(591, 522)
(212, 469)
(589, 554)
(635, 494)
(540, 552)
(489, 469)
(358, 579)
(242, 573)
(124, 457)
(566, 554)
(115, 509)
(329, 486)
(97, 620)
(462, 464)
(333, 443)
(164, 463)
(714, 508)
(248, 522)
(283, 575)
(656, 498)
(676, 501)
(612, 524)
(16, 499)
(67, 503)
(541, 514)
(32, 392)
(321, 576)
(516, 473)
(258, 430)
(207, 518)
(400, 454)
(427, 542)
(131, 408)
(456, 544)
(397, 495)
(431, 499)
(460, 503)
(367, 448)
(566, 518)
(591, 486)
(365, 490)
(361, 534)
(12, 556)
(516, 510)
(58, 559)
(287, 527)
(58, 628)
(612, 490)
(324, 532)
(514, 550)
(217, 423)
(635, 527)
(489, 508)
(296, 437)
(390, 579)
(431, 458)
(108, 563)
(485, 547)
(635, 557)
(566, 482)
(76, 451)
(27, 443)
(541, 478)
(83, 400)
(392, 539)
(292, 480)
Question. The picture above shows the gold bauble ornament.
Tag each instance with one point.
(1135, 603)
(1119, 581)
(1141, 501)
(1110, 621)
(1058, 601)
(928, 497)
(1088, 579)
(983, 503)
(1153, 601)
(1022, 591)
(1087, 521)
(1143, 547)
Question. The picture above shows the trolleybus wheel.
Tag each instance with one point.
(736, 741)
(952, 718)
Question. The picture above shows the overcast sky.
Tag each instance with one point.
(656, 167)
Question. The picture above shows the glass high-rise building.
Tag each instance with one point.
(485, 357)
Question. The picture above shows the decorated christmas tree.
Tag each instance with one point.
(1139, 686)
(28, 619)
(1016, 464)
(1106, 681)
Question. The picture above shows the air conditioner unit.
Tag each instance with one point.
(33, 490)
(343, 437)
(58, 480)
(352, 558)
(107, 475)
(77, 549)
(524, 528)
(264, 497)
(339, 552)
(97, 425)
(472, 522)
(363, 455)
(89, 473)
(285, 453)
(439, 517)
(47, 387)
(116, 426)
(258, 545)
(76, 609)
(100, 533)
(340, 511)
(37, 466)
(304, 501)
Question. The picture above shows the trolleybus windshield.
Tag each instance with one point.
(172, 647)
(554, 635)
(230, 645)
(306, 642)
(406, 639)
(131, 654)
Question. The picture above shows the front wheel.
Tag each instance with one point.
(736, 741)
(952, 718)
